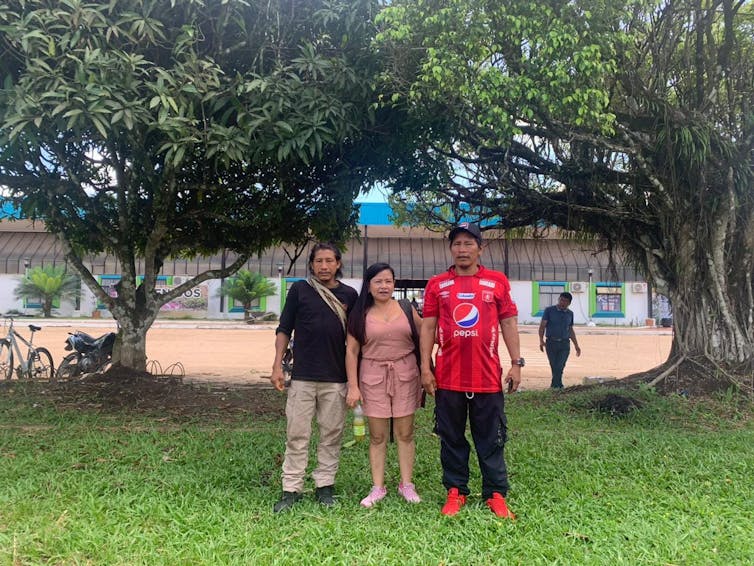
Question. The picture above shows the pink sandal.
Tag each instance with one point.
(374, 496)
(408, 491)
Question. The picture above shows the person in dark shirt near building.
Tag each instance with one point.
(316, 311)
(465, 311)
(557, 328)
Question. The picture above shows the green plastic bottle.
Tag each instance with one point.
(359, 424)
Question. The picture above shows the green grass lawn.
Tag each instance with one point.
(671, 483)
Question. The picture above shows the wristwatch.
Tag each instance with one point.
(519, 362)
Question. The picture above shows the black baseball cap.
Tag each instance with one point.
(469, 227)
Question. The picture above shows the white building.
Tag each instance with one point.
(539, 270)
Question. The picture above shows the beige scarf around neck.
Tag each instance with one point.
(330, 300)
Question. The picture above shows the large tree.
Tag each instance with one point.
(151, 129)
(632, 121)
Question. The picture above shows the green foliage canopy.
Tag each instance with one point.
(150, 129)
(487, 86)
(179, 127)
(630, 120)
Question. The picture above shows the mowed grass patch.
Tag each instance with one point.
(669, 483)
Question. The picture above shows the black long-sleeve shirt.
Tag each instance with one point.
(319, 352)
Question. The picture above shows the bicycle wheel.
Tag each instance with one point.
(69, 368)
(6, 359)
(40, 364)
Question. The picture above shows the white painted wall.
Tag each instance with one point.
(7, 300)
(635, 315)
(355, 283)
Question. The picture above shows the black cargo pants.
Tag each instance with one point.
(486, 414)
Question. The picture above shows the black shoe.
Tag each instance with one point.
(289, 499)
(325, 495)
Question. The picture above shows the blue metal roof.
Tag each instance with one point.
(7, 210)
(375, 214)
(379, 214)
(370, 213)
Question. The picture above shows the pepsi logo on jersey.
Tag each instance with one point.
(466, 316)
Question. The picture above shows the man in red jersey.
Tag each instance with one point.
(463, 310)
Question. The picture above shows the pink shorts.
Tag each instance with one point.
(390, 388)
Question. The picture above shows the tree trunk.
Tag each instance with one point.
(702, 329)
(707, 320)
(705, 270)
(131, 346)
(134, 321)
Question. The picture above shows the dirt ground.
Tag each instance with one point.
(233, 352)
(220, 370)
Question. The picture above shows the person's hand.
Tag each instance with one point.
(278, 378)
(428, 381)
(578, 351)
(541, 345)
(513, 379)
(353, 397)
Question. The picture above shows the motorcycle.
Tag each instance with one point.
(89, 354)
(288, 363)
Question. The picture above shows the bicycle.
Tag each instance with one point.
(36, 365)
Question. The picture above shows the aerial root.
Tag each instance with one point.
(667, 372)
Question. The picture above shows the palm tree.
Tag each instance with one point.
(246, 287)
(49, 284)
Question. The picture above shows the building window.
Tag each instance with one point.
(257, 305)
(608, 301)
(33, 303)
(545, 294)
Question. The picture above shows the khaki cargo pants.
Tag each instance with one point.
(328, 402)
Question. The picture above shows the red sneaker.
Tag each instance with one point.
(497, 505)
(453, 503)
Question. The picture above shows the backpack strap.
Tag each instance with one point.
(408, 310)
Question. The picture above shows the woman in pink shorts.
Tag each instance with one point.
(386, 378)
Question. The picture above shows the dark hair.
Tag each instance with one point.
(325, 246)
(357, 321)
(568, 296)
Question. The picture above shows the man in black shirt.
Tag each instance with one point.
(315, 310)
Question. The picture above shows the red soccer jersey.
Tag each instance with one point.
(469, 309)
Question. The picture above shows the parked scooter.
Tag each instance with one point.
(89, 354)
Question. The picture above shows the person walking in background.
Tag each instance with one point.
(557, 327)
(462, 310)
(383, 374)
(316, 310)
